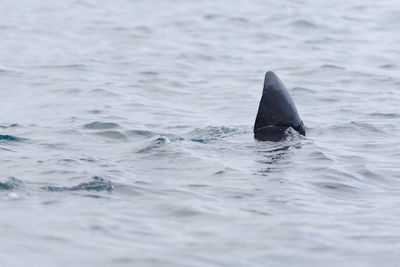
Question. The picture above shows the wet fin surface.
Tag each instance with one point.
(276, 111)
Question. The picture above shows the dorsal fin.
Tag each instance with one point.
(277, 108)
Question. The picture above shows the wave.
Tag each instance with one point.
(10, 138)
(101, 125)
(9, 126)
(11, 183)
(97, 184)
(156, 143)
(211, 133)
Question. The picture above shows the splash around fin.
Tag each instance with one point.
(276, 112)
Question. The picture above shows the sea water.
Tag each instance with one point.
(126, 133)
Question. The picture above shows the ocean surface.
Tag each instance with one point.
(126, 133)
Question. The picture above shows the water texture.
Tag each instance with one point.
(126, 133)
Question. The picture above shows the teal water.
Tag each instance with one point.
(126, 133)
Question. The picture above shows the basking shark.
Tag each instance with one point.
(276, 112)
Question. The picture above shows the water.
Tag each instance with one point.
(126, 133)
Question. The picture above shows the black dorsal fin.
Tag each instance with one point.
(277, 108)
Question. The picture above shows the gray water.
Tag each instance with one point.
(126, 133)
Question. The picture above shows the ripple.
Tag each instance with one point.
(94, 111)
(151, 145)
(351, 127)
(258, 212)
(211, 133)
(212, 16)
(303, 90)
(385, 115)
(111, 135)
(303, 23)
(360, 126)
(179, 210)
(330, 66)
(64, 67)
(103, 92)
(341, 187)
(11, 183)
(149, 73)
(388, 66)
(97, 184)
(97, 125)
(318, 156)
(197, 185)
(9, 126)
(10, 138)
(142, 133)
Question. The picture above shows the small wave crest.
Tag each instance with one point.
(211, 133)
(140, 133)
(7, 137)
(10, 183)
(96, 184)
(156, 143)
(9, 126)
(97, 125)
(105, 129)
